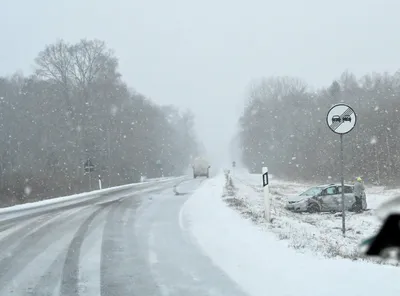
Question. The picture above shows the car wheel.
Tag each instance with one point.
(356, 207)
(313, 208)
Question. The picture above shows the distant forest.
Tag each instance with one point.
(76, 107)
(283, 126)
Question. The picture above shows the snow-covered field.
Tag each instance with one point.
(318, 234)
(262, 264)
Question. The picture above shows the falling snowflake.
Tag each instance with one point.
(293, 158)
(28, 190)
(373, 140)
(114, 110)
(376, 108)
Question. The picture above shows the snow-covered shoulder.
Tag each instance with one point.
(74, 197)
(263, 265)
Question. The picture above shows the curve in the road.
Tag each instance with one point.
(129, 244)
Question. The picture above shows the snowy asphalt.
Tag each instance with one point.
(130, 243)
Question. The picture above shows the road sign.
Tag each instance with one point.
(341, 119)
(265, 179)
(88, 166)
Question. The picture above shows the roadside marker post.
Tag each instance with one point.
(100, 187)
(267, 202)
(341, 119)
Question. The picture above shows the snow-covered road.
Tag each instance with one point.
(130, 243)
(157, 241)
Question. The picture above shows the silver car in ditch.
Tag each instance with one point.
(325, 198)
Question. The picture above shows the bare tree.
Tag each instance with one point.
(76, 106)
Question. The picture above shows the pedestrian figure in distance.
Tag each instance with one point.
(359, 194)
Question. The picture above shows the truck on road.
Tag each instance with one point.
(201, 168)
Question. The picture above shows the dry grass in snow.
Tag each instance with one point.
(319, 234)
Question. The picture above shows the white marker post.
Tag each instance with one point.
(100, 182)
(267, 202)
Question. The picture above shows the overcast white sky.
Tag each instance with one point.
(203, 54)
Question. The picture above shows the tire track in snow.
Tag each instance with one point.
(14, 237)
(113, 277)
(70, 276)
(124, 266)
(52, 277)
(37, 240)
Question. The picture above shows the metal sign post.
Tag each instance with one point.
(90, 181)
(341, 119)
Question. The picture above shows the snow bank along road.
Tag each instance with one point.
(135, 242)
(262, 264)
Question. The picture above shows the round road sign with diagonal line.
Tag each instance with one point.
(341, 119)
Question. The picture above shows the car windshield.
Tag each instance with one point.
(312, 191)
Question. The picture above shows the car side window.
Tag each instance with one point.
(331, 190)
(348, 189)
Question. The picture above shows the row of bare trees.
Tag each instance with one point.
(284, 126)
(74, 108)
